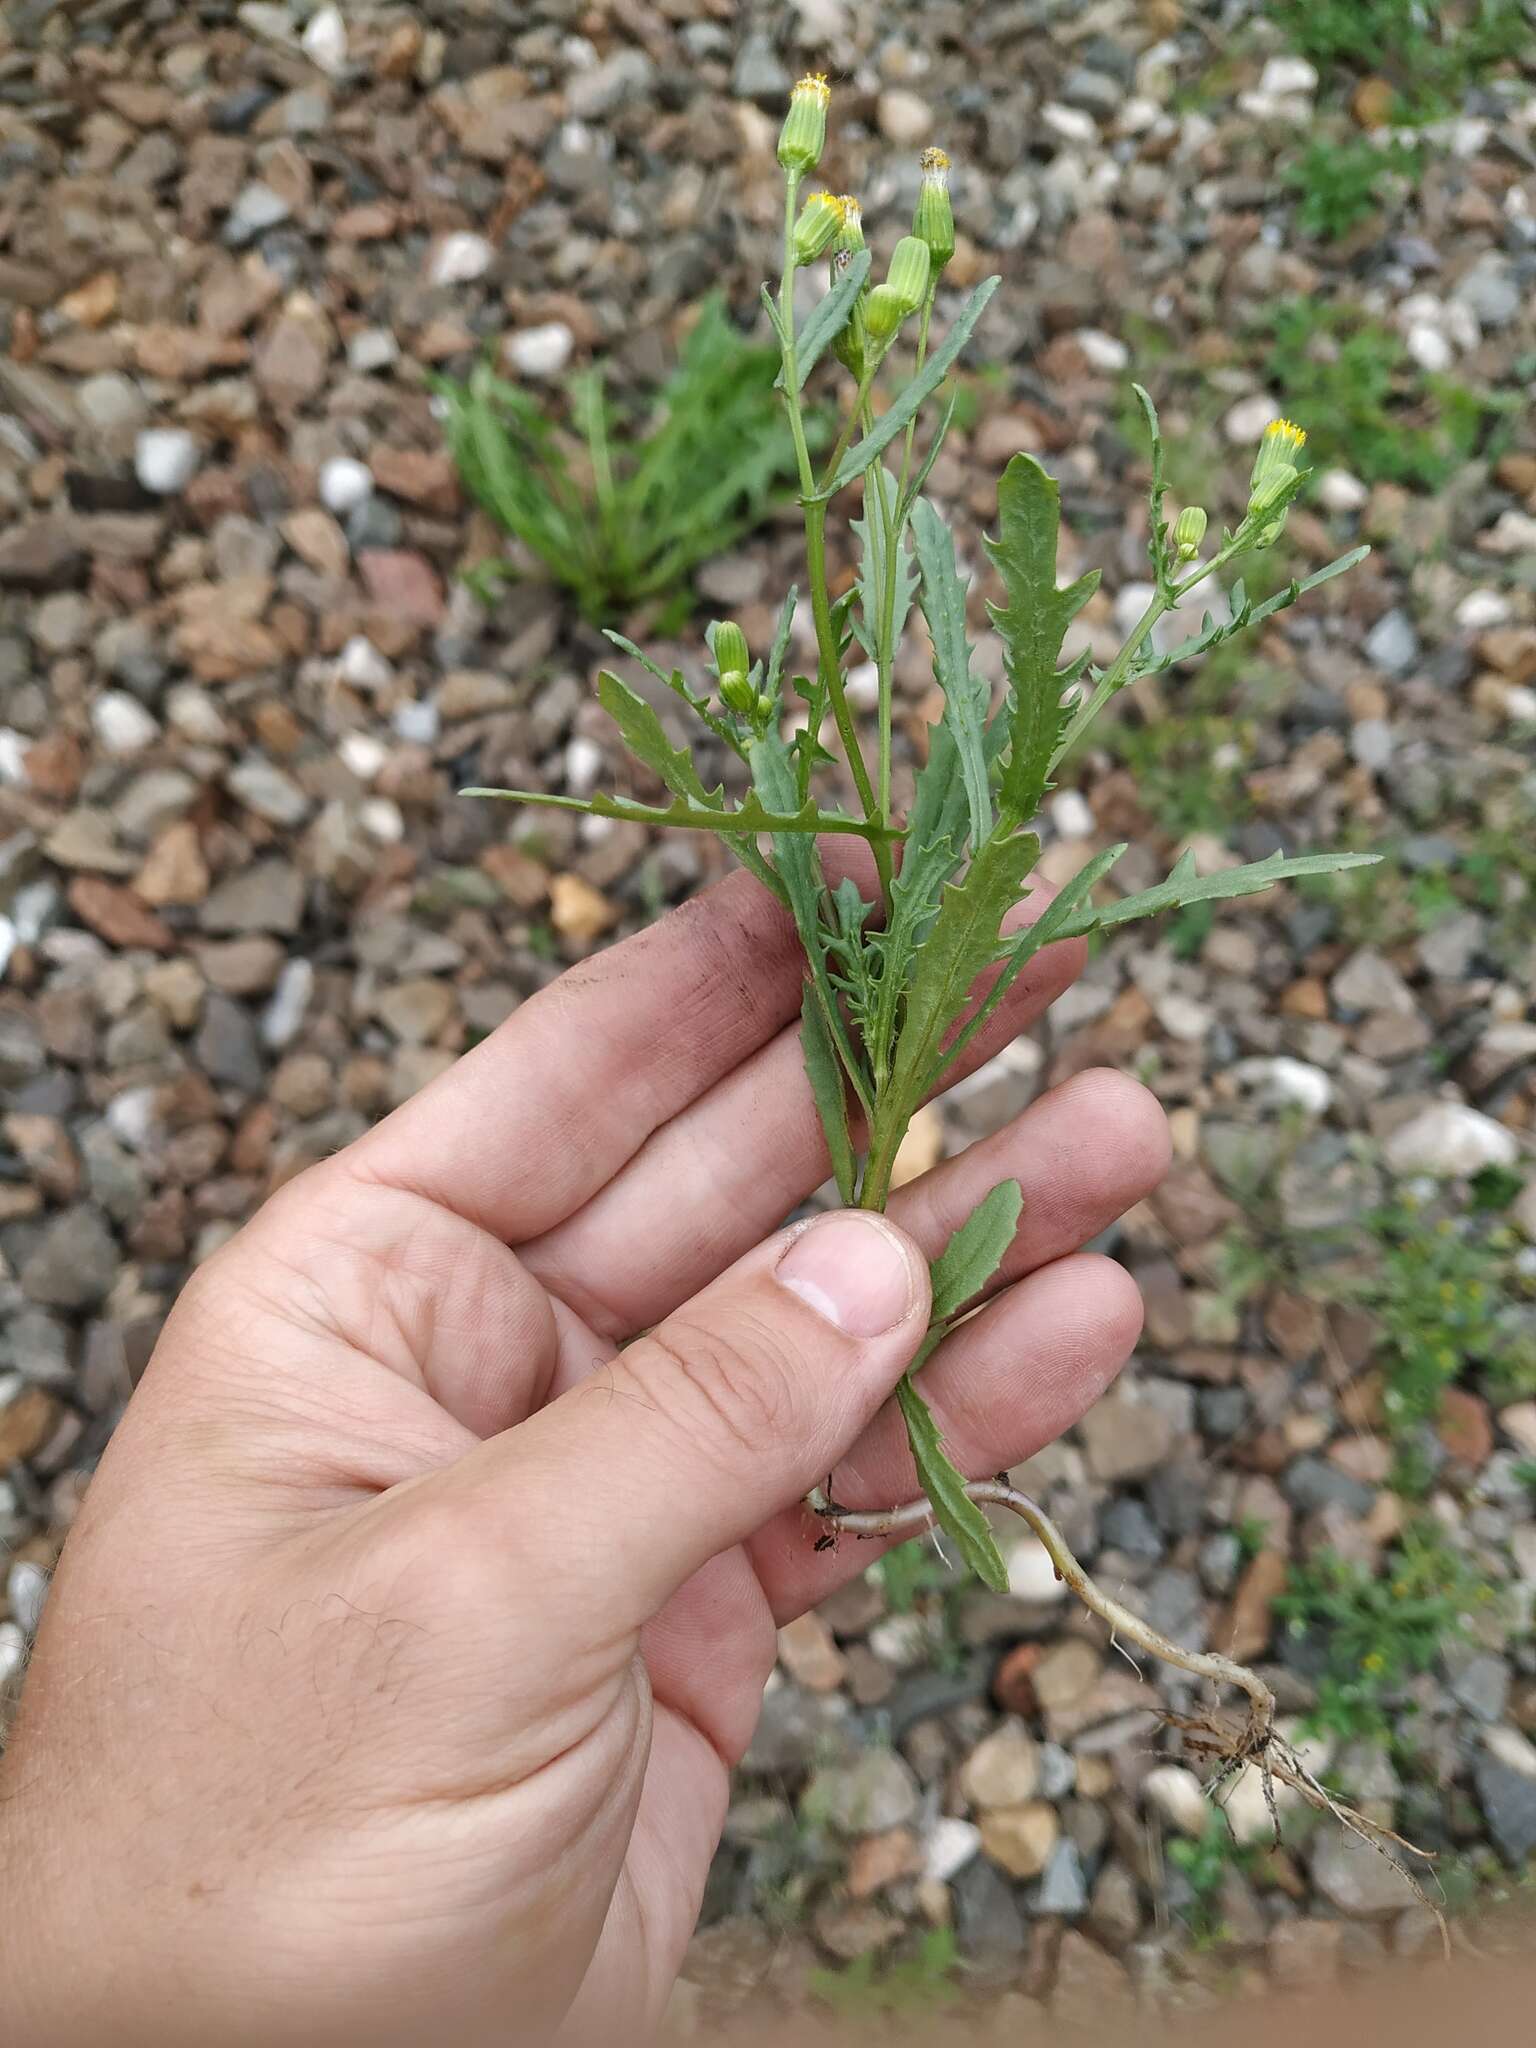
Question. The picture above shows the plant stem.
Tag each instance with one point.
(828, 656)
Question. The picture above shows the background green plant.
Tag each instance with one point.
(1430, 50)
(621, 510)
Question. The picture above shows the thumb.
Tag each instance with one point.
(717, 1419)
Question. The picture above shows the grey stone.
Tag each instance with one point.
(1126, 1525)
(987, 1916)
(1311, 1484)
(268, 897)
(1478, 1681)
(759, 72)
(1062, 1892)
(1508, 1800)
(1355, 1877)
(876, 1792)
(1392, 644)
(74, 1262)
(228, 1046)
(21, 1051)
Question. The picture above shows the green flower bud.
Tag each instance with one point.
(851, 240)
(934, 223)
(908, 274)
(1282, 442)
(804, 134)
(737, 693)
(1189, 531)
(730, 647)
(883, 314)
(851, 345)
(819, 225)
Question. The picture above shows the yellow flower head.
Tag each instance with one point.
(1281, 443)
(804, 134)
(934, 164)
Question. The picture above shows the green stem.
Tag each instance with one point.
(828, 655)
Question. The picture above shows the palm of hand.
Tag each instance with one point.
(488, 1712)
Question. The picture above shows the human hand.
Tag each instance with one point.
(392, 1674)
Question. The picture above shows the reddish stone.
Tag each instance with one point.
(117, 915)
(403, 586)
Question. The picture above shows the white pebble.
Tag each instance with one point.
(583, 765)
(281, 1019)
(165, 459)
(950, 1846)
(382, 820)
(1428, 347)
(1070, 123)
(122, 724)
(1031, 1574)
(1285, 75)
(361, 664)
(1176, 1795)
(1480, 609)
(1520, 704)
(13, 755)
(13, 1650)
(345, 483)
(195, 715)
(325, 41)
(1131, 600)
(1450, 1138)
(1104, 351)
(459, 258)
(1338, 491)
(9, 940)
(540, 351)
(1072, 815)
(130, 1116)
(418, 723)
(1286, 1082)
(26, 1588)
(863, 686)
(1249, 417)
(363, 754)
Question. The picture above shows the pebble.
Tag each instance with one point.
(1450, 1138)
(324, 41)
(542, 352)
(344, 484)
(1178, 1796)
(122, 724)
(165, 460)
(1392, 644)
(460, 258)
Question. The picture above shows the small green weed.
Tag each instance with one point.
(1431, 50)
(910, 1572)
(917, 1983)
(1366, 404)
(1203, 1864)
(622, 514)
(1378, 1632)
(1339, 184)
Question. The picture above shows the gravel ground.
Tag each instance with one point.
(242, 914)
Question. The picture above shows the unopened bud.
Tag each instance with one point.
(730, 647)
(737, 693)
(1274, 488)
(851, 239)
(851, 343)
(819, 225)
(804, 134)
(908, 274)
(1189, 531)
(1282, 442)
(934, 222)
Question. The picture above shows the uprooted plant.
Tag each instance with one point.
(900, 980)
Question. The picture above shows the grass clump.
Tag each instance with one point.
(1340, 184)
(620, 510)
(913, 1984)
(1431, 51)
(1368, 406)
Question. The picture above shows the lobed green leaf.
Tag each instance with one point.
(957, 1514)
(976, 1250)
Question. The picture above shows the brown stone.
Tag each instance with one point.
(404, 586)
(25, 1425)
(292, 357)
(810, 1655)
(117, 915)
(577, 910)
(1248, 1623)
(421, 477)
(1464, 1426)
(175, 871)
(881, 1860)
(47, 1153)
(93, 303)
(1013, 1685)
(521, 878)
(316, 538)
(1020, 1838)
(55, 766)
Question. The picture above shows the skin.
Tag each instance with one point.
(392, 1674)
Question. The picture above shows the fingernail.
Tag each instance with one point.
(853, 1270)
